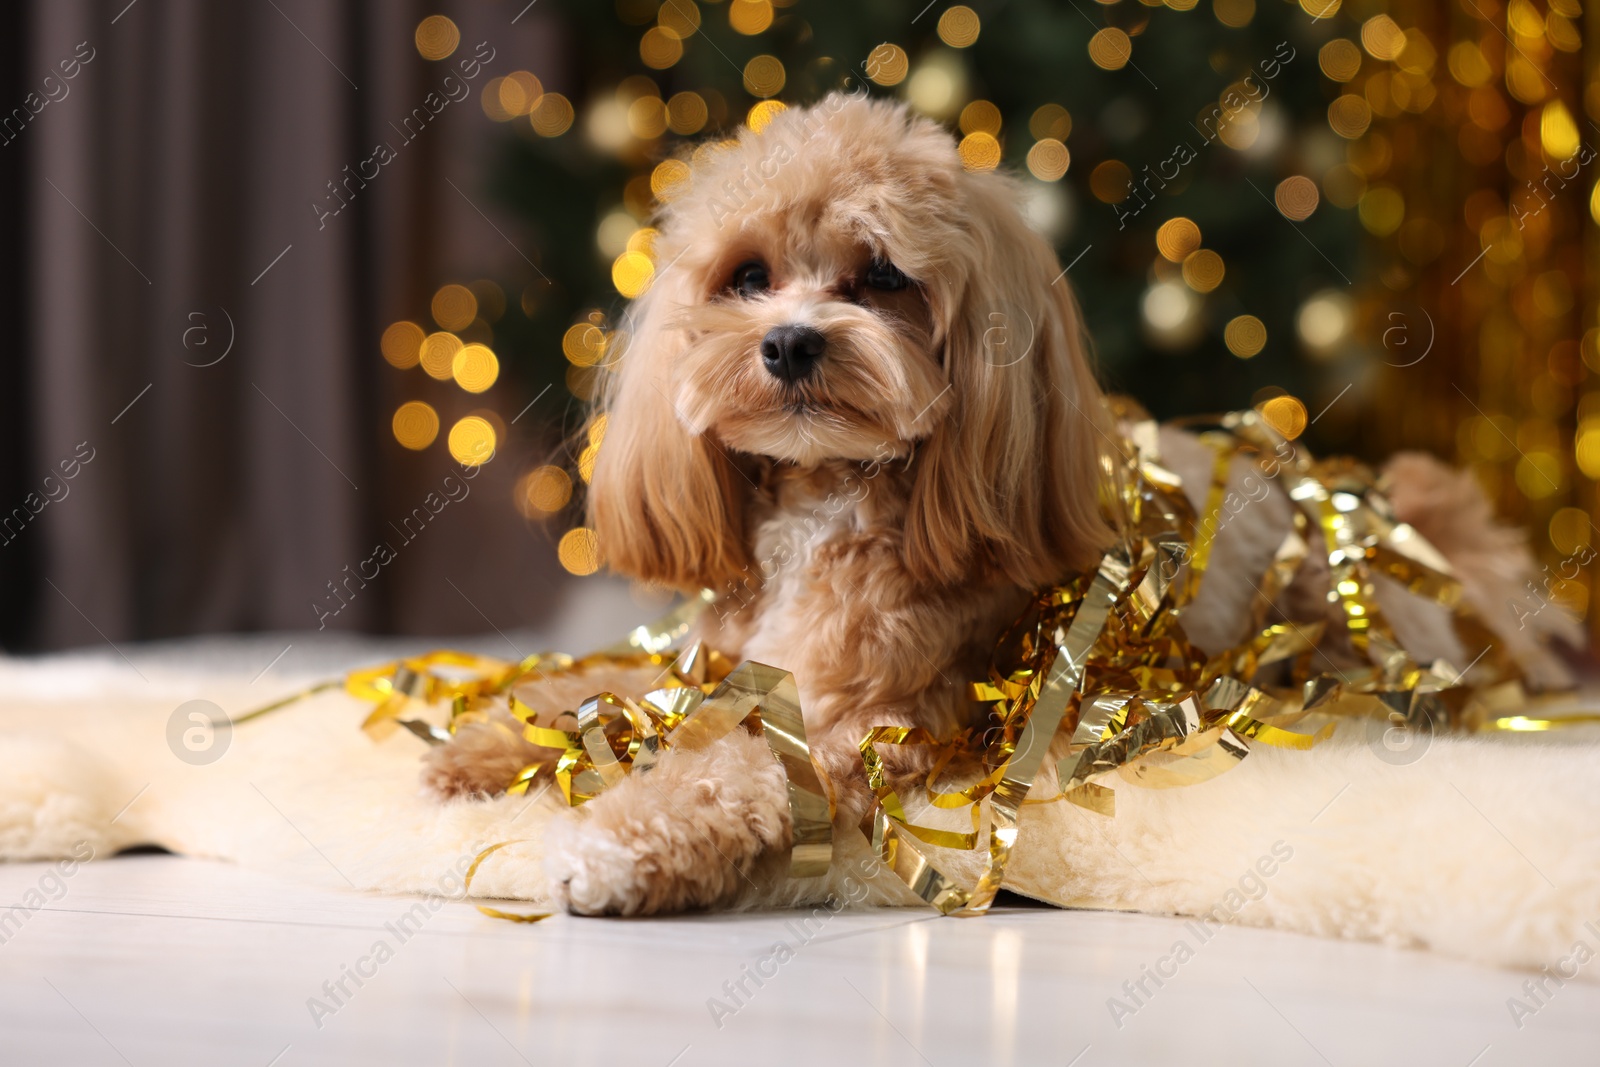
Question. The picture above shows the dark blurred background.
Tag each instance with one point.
(283, 273)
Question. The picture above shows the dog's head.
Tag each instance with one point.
(839, 287)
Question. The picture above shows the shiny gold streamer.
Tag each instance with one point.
(1100, 664)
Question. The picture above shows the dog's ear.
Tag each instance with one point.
(665, 502)
(1009, 478)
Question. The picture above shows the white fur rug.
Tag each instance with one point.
(1486, 849)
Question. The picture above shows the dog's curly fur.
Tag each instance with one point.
(873, 526)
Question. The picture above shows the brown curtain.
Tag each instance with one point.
(170, 195)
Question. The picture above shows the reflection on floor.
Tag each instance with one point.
(161, 960)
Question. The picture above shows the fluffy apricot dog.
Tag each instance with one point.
(815, 415)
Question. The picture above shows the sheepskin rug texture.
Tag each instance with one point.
(1486, 849)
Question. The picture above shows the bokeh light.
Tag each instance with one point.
(764, 76)
(660, 48)
(979, 151)
(888, 65)
(1296, 197)
(583, 344)
(454, 307)
(579, 548)
(762, 114)
(669, 178)
(543, 491)
(631, 273)
(552, 115)
(1203, 270)
(686, 113)
(472, 441)
(959, 26)
(749, 17)
(415, 425)
(475, 368)
(1110, 48)
(437, 37)
(980, 116)
(1286, 414)
(1245, 336)
(1050, 120)
(1176, 238)
(1049, 159)
(438, 353)
(402, 344)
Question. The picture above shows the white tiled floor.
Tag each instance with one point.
(159, 960)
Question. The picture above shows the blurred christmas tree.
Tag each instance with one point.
(1177, 156)
(1370, 219)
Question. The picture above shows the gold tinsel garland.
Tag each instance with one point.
(1102, 658)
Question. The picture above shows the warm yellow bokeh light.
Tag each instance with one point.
(437, 37)
(1203, 270)
(764, 76)
(1111, 181)
(438, 353)
(475, 368)
(1297, 197)
(579, 549)
(1176, 238)
(959, 26)
(402, 344)
(454, 307)
(749, 17)
(888, 64)
(543, 491)
(1286, 415)
(1245, 336)
(660, 48)
(762, 114)
(415, 425)
(631, 273)
(979, 151)
(583, 344)
(1340, 59)
(680, 17)
(686, 113)
(552, 115)
(1048, 160)
(1382, 37)
(1051, 120)
(1110, 48)
(472, 441)
(669, 178)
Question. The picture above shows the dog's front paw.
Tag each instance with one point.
(479, 762)
(696, 833)
(595, 872)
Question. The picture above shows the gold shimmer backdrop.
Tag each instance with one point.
(1471, 163)
(1479, 168)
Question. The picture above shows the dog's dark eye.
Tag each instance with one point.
(751, 278)
(886, 276)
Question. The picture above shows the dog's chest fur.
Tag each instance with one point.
(791, 537)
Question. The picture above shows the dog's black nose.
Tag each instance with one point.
(790, 352)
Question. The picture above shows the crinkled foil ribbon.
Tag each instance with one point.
(1101, 661)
